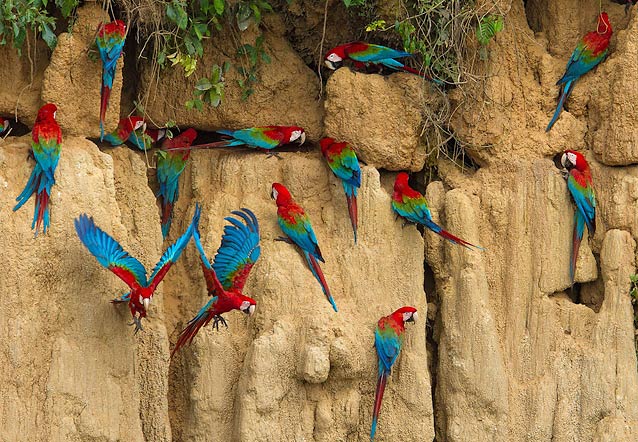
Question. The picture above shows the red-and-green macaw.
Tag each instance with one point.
(225, 279)
(388, 340)
(265, 138)
(581, 187)
(344, 164)
(171, 161)
(124, 129)
(144, 139)
(111, 255)
(591, 50)
(110, 43)
(4, 125)
(296, 226)
(364, 54)
(46, 140)
(411, 205)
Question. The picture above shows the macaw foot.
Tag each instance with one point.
(137, 322)
(217, 319)
(284, 239)
(270, 154)
(564, 173)
(30, 155)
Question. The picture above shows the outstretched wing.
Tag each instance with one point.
(212, 282)
(238, 251)
(109, 253)
(174, 251)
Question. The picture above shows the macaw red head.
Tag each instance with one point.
(115, 27)
(405, 314)
(246, 304)
(335, 56)
(401, 182)
(325, 144)
(293, 133)
(280, 194)
(574, 160)
(604, 26)
(184, 139)
(47, 112)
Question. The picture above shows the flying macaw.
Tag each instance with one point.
(46, 139)
(111, 255)
(226, 278)
(171, 161)
(110, 42)
(124, 129)
(265, 138)
(411, 205)
(591, 50)
(581, 187)
(144, 139)
(344, 164)
(388, 340)
(296, 226)
(4, 125)
(364, 54)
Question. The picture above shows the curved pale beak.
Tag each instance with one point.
(302, 138)
(329, 64)
(146, 302)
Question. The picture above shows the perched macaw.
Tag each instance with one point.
(110, 42)
(581, 187)
(388, 339)
(111, 255)
(344, 164)
(411, 205)
(144, 139)
(124, 129)
(364, 54)
(171, 161)
(225, 279)
(591, 50)
(266, 137)
(46, 139)
(4, 125)
(296, 226)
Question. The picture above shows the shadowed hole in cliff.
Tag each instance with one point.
(18, 129)
(590, 294)
(431, 329)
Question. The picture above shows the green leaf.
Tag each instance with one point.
(203, 84)
(48, 36)
(220, 5)
(488, 27)
(176, 13)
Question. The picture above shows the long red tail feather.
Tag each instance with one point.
(456, 240)
(378, 397)
(316, 270)
(354, 214)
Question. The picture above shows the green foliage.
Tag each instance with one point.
(254, 55)
(350, 3)
(250, 11)
(488, 27)
(17, 17)
(209, 90)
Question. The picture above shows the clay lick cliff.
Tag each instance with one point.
(507, 353)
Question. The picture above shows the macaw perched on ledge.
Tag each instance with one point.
(46, 148)
(265, 138)
(591, 50)
(388, 340)
(343, 162)
(112, 256)
(225, 279)
(110, 43)
(411, 205)
(581, 188)
(296, 226)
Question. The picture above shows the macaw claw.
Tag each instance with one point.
(217, 319)
(284, 239)
(137, 322)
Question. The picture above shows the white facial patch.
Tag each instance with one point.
(54, 114)
(333, 57)
(408, 315)
(295, 134)
(571, 156)
(139, 124)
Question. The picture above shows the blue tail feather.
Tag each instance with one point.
(566, 90)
